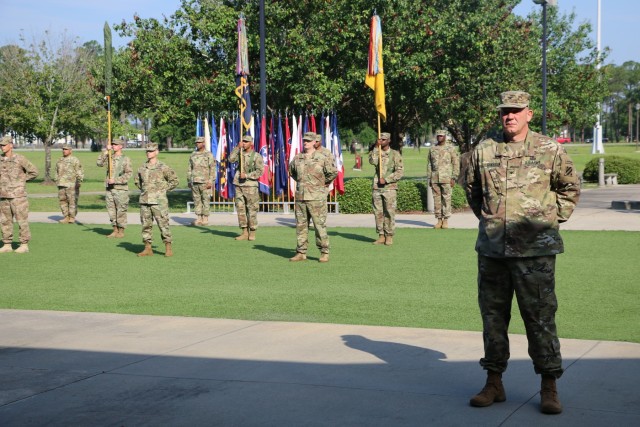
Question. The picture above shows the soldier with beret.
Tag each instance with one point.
(443, 165)
(15, 171)
(154, 179)
(247, 198)
(385, 187)
(313, 172)
(201, 176)
(521, 186)
(117, 186)
(69, 176)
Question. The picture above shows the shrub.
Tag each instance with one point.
(628, 169)
(356, 197)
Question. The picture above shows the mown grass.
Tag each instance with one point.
(427, 279)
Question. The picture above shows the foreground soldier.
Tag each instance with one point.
(15, 171)
(154, 179)
(520, 187)
(246, 181)
(200, 177)
(443, 166)
(385, 188)
(117, 197)
(313, 172)
(69, 176)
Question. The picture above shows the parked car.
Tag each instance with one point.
(563, 139)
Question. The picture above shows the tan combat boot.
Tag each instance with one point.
(388, 240)
(380, 240)
(64, 220)
(71, 220)
(244, 235)
(114, 233)
(298, 257)
(204, 220)
(549, 402)
(438, 224)
(196, 221)
(324, 258)
(252, 235)
(168, 250)
(120, 234)
(493, 391)
(445, 223)
(22, 249)
(6, 248)
(147, 250)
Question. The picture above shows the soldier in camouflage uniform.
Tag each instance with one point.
(313, 172)
(385, 188)
(200, 177)
(442, 170)
(15, 171)
(247, 198)
(323, 150)
(69, 176)
(154, 179)
(117, 197)
(521, 187)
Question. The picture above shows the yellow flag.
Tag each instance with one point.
(375, 71)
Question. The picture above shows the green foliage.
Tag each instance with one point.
(628, 169)
(356, 197)
(458, 198)
(410, 197)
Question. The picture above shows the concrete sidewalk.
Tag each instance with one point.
(86, 369)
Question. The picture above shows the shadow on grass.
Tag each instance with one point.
(278, 251)
(215, 232)
(351, 236)
(134, 248)
(98, 230)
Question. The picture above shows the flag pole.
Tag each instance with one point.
(107, 89)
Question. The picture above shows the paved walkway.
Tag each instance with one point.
(93, 369)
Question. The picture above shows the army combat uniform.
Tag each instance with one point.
(15, 171)
(443, 166)
(69, 175)
(201, 176)
(384, 197)
(520, 192)
(247, 198)
(117, 197)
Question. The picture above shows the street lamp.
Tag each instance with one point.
(544, 4)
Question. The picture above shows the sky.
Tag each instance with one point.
(85, 19)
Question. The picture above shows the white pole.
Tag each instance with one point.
(597, 146)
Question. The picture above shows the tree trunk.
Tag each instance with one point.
(169, 142)
(47, 164)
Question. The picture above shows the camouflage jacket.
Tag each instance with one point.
(122, 171)
(202, 168)
(68, 172)
(154, 181)
(392, 168)
(327, 153)
(443, 164)
(521, 195)
(15, 171)
(312, 174)
(252, 164)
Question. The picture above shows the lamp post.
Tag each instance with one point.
(637, 123)
(544, 4)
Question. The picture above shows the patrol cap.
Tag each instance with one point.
(152, 146)
(385, 135)
(247, 138)
(66, 147)
(318, 138)
(514, 99)
(6, 140)
(441, 132)
(200, 139)
(309, 136)
(117, 142)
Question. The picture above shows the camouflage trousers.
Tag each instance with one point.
(316, 211)
(117, 206)
(247, 204)
(201, 198)
(532, 280)
(384, 210)
(160, 213)
(68, 198)
(18, 208)
(441, 199)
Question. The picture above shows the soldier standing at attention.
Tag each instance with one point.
(117, 185)
(246, 181)
(322, 149)
(69, 176)
(443, 166)
(154, 179)
(385, 188)
(313, 172)
(520, 186)
(200, 177)
(15, 171)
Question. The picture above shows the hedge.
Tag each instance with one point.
(412, 196)
(628, 169)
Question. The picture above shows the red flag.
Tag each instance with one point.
(263, 182)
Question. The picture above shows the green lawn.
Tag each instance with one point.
(427, 279)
